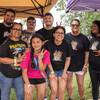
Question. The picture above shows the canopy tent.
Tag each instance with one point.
(26, 8)
(83, 5)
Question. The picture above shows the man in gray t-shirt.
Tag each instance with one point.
(28, 33)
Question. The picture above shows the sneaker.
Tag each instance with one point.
(82, 99)
(70, 99)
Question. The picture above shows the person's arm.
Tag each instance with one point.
(52, 75)
(86, 62)
(50, 68)
(28, 89)
(98, 52)
(42, 67)
(7, 60)
(67, 63)
(25, 77)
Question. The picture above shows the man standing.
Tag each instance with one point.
(46, 31)
(9, 17)
(28, 33)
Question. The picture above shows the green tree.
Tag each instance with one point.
(86, 18)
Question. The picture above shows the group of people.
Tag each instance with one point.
(30, 57)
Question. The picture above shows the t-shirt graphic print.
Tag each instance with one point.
(17, 52)
(57, 56)
(36, 65)
(74, 45)
(94, 45)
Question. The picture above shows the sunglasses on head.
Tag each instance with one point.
(75, 25)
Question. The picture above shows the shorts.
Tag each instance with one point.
(57, 73)
(78, 72)
(37, 81)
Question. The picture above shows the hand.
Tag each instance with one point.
(64, 76)
(27, 49)
(22, 58)
(57, 23)
(45, 41)
(40, 56)
(52, 76)
(98, 52)
(28, 90)
(85, 70)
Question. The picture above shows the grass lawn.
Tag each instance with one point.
(87, 94)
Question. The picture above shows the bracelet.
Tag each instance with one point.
(85, 66)
(15, 61)
(28, 85)
(52, 72)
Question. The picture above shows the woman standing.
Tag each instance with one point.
(11, 54)
(79, 60)
(94, 59)
(60, 55)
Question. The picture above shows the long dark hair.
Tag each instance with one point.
(32, 49)
(97, 22)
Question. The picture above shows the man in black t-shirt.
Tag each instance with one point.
(46, 31)
(5, 26)
(11, 54)
(9, 17)
(28, 33)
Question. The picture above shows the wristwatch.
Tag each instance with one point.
(85, 66)
(28, 85)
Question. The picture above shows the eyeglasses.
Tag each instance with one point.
(59, 33)
(73, 25)
(31, 22)
(16, 29)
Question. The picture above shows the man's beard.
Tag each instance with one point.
(31, 28)
(8, 23)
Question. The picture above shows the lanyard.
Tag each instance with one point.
(38, 68)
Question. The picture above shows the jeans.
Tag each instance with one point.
(95, 79)
(7, 83)
(57, 73)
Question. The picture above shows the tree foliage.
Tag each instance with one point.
(87, 18)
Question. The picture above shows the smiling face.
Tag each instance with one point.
(48, 20)
(75, 26)
(9, 18)
(94, 28)
(59, 35)
(31, 24)
(37, 44)
(16, 31)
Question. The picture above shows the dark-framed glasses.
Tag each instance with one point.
(59, 33)
(30, 22)
(15, 29)
(73, 25)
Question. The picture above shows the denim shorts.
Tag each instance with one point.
(57, 73)
(77, 72)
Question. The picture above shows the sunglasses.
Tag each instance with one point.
(73, 25)
(31, 22)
